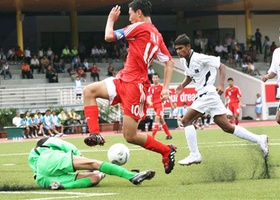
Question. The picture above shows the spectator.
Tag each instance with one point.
(63, 120)
(35, 64)
(25, 71)
(56, 121)
(82, 74)
(95, 72)
(95, 54)
(51, 75)
(221, 51)
(85, 65)
(33, 125)
(111, 70)
(103, 53)
(151, 72)
(258, 107)
(49, 125)
(258, 38)
(11, 55)
(115, 53)
(40, 124)
(66, 55)
(19, 54)
(41, 53)
(74, 52)
(44, 63)
(59, 68)
(6, 70)
(72, 72)
(27, 55)
(23, 123)
(76, 62)
(49, 53)
(174, 111)
(272, 47)
(78, 88)
(123, 52)
(82, 50)
(17, 120)
(266, 46)
(2, 54)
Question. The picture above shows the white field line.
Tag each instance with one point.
(201, 145)
(76, 194)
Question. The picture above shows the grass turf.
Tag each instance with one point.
(231, 169)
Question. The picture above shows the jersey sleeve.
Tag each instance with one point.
(273, 66)
(163, 54)
(211, 61)
(127, 32)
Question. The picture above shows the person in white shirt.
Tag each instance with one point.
(202, 70)
(17, 120)
(95, 54)
(56, 121)
(27, 55)
(273, 71)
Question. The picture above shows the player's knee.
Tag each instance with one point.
(186, 122)
(228, 128)
(130, 139)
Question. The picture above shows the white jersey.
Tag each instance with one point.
(203, 70)
(275, 67)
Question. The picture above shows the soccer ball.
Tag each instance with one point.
(118, 154)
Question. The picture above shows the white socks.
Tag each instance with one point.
(190, 133)
(245, 134)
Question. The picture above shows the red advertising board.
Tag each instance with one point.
(270, 93)
(188, 95)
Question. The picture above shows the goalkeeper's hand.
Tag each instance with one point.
(56, 186)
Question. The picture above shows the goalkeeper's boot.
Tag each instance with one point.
(191, 159)
(141, 176)
(94, 139)
(169, 161)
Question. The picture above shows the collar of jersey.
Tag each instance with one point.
(189, 59)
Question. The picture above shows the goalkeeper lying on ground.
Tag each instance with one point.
(54, 162)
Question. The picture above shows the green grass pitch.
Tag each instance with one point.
(231, 169)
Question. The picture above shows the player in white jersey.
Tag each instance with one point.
(273, 71)
(202, 70)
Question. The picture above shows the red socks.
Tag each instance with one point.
(156, 146)
(166, 130)
(155, 130)
(91, 115)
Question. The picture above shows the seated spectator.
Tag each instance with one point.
(111, 70)
(44, 63)
(174, 111)
(95, 72)
(66, 55)
(51, 75)
(33, 125)
(85, 65)
(74, 52)
(115, 53)
(2, 54)
(11, 55)
(25, 71)
(56, 121)
(63, 120)
(34, 64)
(49, 53)
(19, 54)
(49, 125)
(27, 55)
(6, 70)
(76, 62)
(103, 53)
(72, 72)
(23, 123)
(82, 74)
(16, 120)
(57, 65)
(95, 54)
(41, 53)
(151, 72)
(221, 51)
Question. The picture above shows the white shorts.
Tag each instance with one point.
(210, 103)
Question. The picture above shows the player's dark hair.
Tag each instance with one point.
(144, 5)
(230, 79)
(182, 40)
(156, 74)
(41, 142)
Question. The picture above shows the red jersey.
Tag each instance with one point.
(144, 44)
(233, 94)
(155, 91)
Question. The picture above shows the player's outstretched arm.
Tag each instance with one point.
(112, 18)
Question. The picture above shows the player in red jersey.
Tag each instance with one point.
(156, 102)
(232, 98)
(130, 87)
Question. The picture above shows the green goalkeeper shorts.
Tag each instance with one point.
(55, 166)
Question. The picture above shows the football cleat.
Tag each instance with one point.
(191, 159)
(141, 176)
(169, 161)
(169, 137)
(264, 144)
(94, 139)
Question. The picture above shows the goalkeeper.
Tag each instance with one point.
(55, 161)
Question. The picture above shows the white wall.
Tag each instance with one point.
(268, 25)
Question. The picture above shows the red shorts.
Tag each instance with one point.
(234, 108)
(131, 96)
(158, 109)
